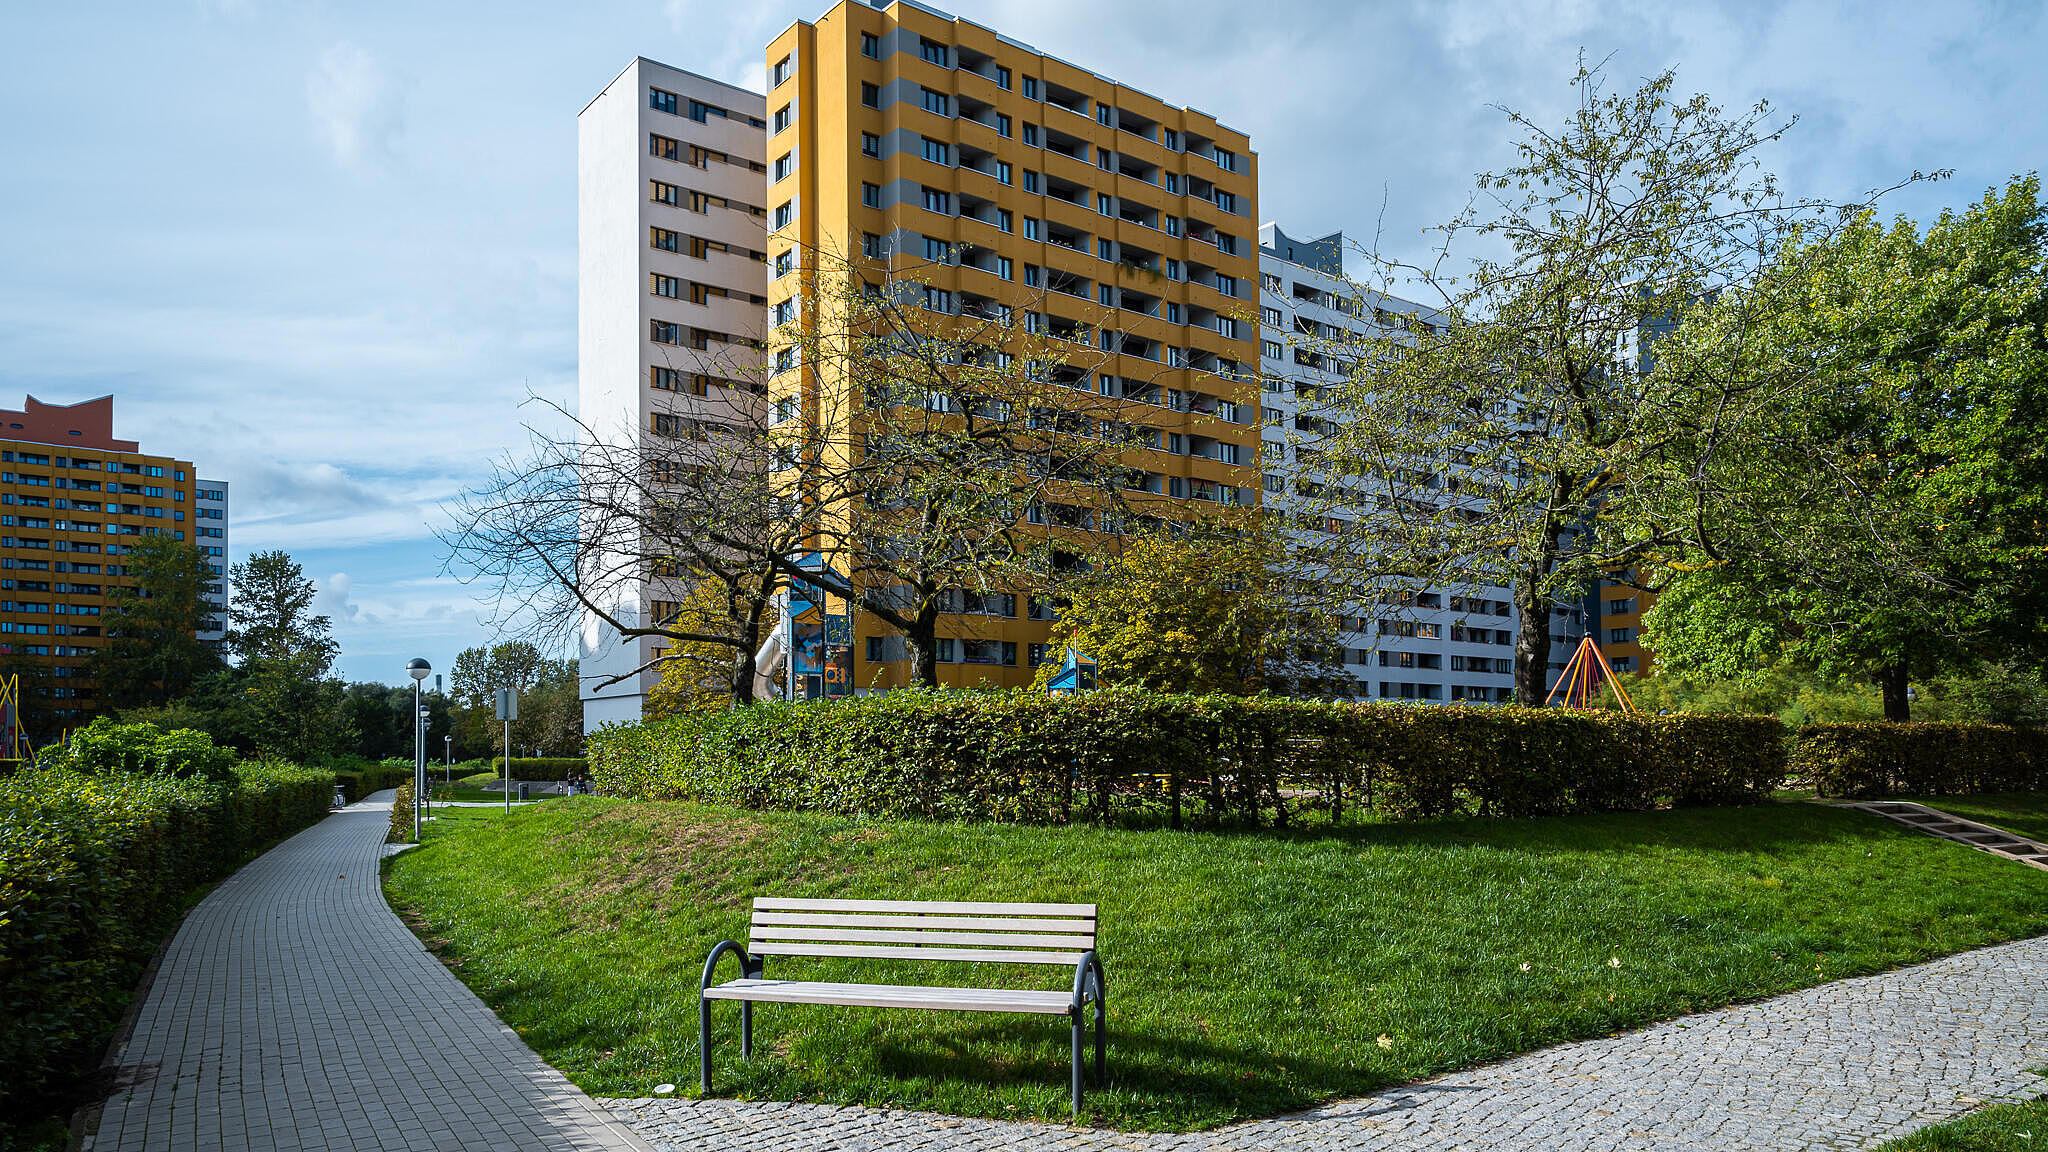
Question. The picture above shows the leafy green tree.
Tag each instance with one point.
(284, 653)
(153, 653)
(550, 711)
(1891, 521)
(1197, 611)
(1513, 435)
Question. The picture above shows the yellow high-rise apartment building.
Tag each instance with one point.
(899, 132)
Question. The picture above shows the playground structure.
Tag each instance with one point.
(1582, 678)
(14, 743)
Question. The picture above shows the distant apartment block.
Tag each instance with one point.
(74, 499)
(671, 279)
(210, 532)
(1435, 644)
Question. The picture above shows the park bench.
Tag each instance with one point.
(975, 932)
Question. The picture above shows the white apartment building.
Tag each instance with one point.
(1442, 644)
(672, 278)
(210, 533)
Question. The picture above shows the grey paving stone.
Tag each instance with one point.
(293, 1010)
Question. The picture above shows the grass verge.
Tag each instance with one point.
(2023, 812)
(461, 795)
(1249, 973)
(2021, 1127)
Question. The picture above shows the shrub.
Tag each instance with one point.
(1029, 758)
(540, 769)
(401, 815)
(104, 746)
(1873, 760)
(373, 778)
(95, 866)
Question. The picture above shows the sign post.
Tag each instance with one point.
(508, 711)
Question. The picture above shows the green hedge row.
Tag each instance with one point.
(1873, 760)
(357, 784)
(1031, 758)
(542, 769)
(95, 867)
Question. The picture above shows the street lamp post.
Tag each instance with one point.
(448, 770)
(418, 670)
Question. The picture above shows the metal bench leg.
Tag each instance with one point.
(1077, 1064)
(704, 1044)
(1101, 1037)
(746, 1029)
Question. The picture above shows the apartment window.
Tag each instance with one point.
(1030, 181)
(1271, 350)
(871, 246)
(1030, 226)
(884, 649)
(1104, 114)
(1034, 276)
(667, 286)
(785, 262)
(1002, 172)
(1002, 126)
(1172, 313)
(785, 312)
(662, 193)
(871, 45)
(1004, 269)
(1003, 79)
(661, 101)
(931, 51)
(946, 653)
(1623, 663)
(938, 299)
(1004, 220)
(1270, 317)
(1031, 87)
(1621, 635)
(1105, 295)
(936, 103)
(937, 251)
(784, 165)
(1031, 133)
(1226, 285)
(937, 201)
(1172, 140)
(662, 147)
(1227, 201)
(937, 151)
(1103, 204)
(870, 96)
(665, 240)
(870, 144)
(666, 379)
(783, 116)
(1621, 607)
(664, 332)
(779, 75)
(1173, 185)
(784, 213)
(870, 196)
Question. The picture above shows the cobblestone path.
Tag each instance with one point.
(1841, 1066)
(293, 1010)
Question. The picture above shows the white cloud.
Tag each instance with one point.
(357, 105)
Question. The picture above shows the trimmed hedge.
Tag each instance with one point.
(1869, 761)
(541, 769)
(1029, 758)
(357, 784)
(95, 867)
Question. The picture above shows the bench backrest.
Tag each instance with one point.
(923, 930)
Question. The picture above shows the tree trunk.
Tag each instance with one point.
(1532, 647)
(1892, 680)
(922, 639)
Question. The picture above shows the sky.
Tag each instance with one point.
(328, 251)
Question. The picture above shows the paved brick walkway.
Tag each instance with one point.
(294, 1011)
(1841, 1066)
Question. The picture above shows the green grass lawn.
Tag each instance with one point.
(2019, 1127)
(1249, 973)
(2023, 812)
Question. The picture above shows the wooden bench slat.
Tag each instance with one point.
(980, 923)
(886, 952)
(922, 936)
(894, 996)
(943, 907)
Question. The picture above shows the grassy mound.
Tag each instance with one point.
(1249, 973)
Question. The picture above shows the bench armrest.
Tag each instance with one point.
(1088, 982)
(750, 966)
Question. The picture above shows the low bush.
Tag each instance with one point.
(355, 785)
(1029, 758)
(541, 769)
(401, 815)
(1874, 760)
(95, 866)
